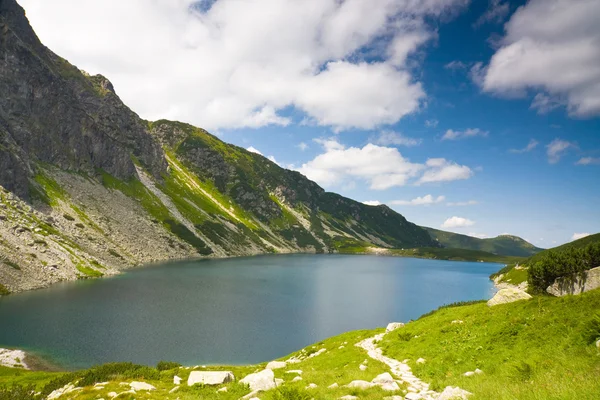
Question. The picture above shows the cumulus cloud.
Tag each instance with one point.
(457, 222)
(496, 13)
(551, 46)
(302, 146)
(588, 161)
(230, 64)
(442, 170)
(462, 203)
(467, 133)
(381, 167)
(420, 201)
(577, 236)
(372, 203)
(530, 146)
(557, 148)
(386, 138)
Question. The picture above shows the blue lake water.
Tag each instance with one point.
(230, 311)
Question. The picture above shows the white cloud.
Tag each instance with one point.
(302, 146)
(463, 203)
(455, 65)
(372, 202)
(545, 104)
(467, 133)
(496, 13)
(588, 161)
(457, 222)
(530, 146)
(420, 201)
(395, 138)
(478, 235)
(252, 149)
(381, 167)
(577, 236)
(431, 123)
(442, 170)
(229, 64)
(557, 148)
(551, 46)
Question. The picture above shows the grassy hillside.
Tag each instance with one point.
(543, 348)
(517, 272)
(435, 253)
(505, 245)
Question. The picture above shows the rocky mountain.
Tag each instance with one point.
(504, 245)
(87, 188)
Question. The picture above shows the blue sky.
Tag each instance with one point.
(487, 111)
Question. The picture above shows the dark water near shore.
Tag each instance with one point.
(230, 311)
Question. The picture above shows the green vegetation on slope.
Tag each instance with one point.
(538, 349)
(505, 245)
(563, 260)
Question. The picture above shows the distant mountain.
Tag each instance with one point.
(504, 245)
(88, 188)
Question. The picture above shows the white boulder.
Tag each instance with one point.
(263, 380)
(358, 384)
(362, 367)
(297, 378)
(348, 397)
(312, 386)
(509, 295)
(383, 378)
(333, 386)
(141, 386)
(210, 377)
(392, 326)
(454, 393)
(176, 380)
(276, 365)
(421, 361)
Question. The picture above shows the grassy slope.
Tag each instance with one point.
(505, 245)
(436, 253)
(538, 349)
(516, 276)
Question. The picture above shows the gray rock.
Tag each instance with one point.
(358, 384)
(392, 326)
(210, 377)
(454, 393)
(576, 284)
(141, 386)
(263, 380)
(348, 397)
(276, 365)
(509, 295)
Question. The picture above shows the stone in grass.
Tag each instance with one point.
(333, 386)
(276, 364)
(358, 384)
(392, 326)
(297, 378)
(141, 386)
(454, 393)
(509, 295)
(263, 380)
(362, 367)
(348, 397)
(176, 380)
(210, 377)
(222, 390)
(421, 361)
(312, 386)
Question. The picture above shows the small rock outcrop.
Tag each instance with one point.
(210, 377)
(577, 284)
(263, 380)
(454, 393)
(392, 326)
(141, 386)
(509, 295)
(276, 365)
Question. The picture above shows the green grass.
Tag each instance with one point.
(17, 376)
(536, 349)
(3, 290)
(88, 271)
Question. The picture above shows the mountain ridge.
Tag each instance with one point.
(88, 188)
